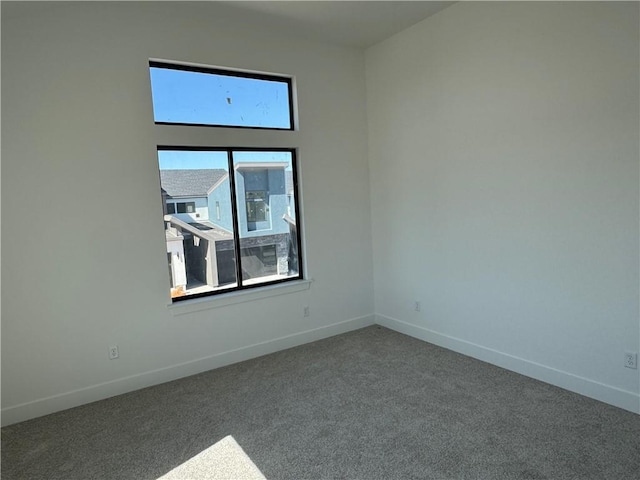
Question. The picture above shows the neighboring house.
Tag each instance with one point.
(199, 224)
(184, 192)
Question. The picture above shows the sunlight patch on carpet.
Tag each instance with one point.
(224, 460)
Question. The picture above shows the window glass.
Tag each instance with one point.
(200, 96)
(267, 219)
(186, 207)
(201, 249)
(230, 214)
(262, 226)
(256, 206)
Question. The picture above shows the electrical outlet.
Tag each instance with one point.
(305, 311)
(631, 360)
(113, 352)
(417, 306)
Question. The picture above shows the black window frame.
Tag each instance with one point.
(235, 217)
(230, 73)
(295, 254)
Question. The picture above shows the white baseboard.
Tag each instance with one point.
(82, 396)
(589, 388)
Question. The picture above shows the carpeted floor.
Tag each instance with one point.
(370, 404)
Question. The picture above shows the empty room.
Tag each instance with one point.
(303, 240)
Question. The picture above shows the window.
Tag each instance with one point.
(186, 207)
(256, 206)
(205, 96)
(205, 259)
(232, 219)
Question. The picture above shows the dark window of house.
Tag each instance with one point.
(186, 207)
(256, 206)
(171, 208)
(191, 95)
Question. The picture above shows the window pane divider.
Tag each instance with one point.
(234, 210)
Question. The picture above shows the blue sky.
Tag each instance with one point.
(177, 160)
(188, 160)
(181, 96)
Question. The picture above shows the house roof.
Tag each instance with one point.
(198, 182)
(190, 183)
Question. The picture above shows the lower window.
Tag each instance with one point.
(231, 218)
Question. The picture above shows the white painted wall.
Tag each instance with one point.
(77, 123)
(503, 144)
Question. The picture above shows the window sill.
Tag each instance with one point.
(216, 301)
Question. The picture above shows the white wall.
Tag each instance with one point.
(503, 144)
(77, 124)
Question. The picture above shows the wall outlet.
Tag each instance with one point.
(113, 352)
(305, 311)
(631, 360)
(417, 307)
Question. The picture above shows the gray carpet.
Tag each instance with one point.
(370, 404)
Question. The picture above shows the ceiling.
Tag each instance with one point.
(349, 23)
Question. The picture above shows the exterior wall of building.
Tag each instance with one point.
(221, 196)
(177, 267)
(272, 182)
(278, 200)
(201, 261)
(201, 213)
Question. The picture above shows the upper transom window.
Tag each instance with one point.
(190, 95)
